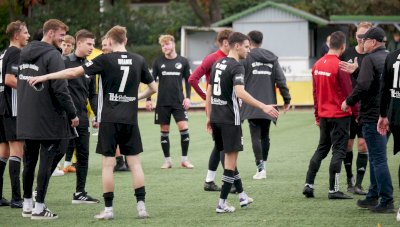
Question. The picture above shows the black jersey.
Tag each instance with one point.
(170, 73)
(225, 74)
(9, 65)
(349, 55)
(390, 88)
(120, 76)
(81, 89)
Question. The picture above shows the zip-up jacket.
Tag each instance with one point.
(368, 86)
(331, 86)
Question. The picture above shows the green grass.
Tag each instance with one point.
(175, 197)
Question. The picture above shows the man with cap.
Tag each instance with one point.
(367, 93)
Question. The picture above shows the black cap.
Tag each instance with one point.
(376, 33)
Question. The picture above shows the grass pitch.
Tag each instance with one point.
(175, 197)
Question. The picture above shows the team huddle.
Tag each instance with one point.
(49, 115)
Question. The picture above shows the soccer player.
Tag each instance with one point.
(205, 69)
(68, 45)
(81, 90)
(226, 86)
(46, 114)
(351, 60)
(367, 93)
(330, 87)
(170, 70)
(121, 164)
(120, 75)
(389, 119)
(263, 73)
(19, 36)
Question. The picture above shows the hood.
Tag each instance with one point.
(35, 49)
(263, 55)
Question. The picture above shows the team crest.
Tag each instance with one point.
(178, 65)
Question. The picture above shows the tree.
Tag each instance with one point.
(208, 11)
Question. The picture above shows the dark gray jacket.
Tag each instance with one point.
(263, 73)
(44, 113)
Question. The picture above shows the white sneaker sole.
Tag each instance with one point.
(26, 215)
(43, 218)
(83, 202)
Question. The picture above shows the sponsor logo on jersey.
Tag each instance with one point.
(321, 73)
(163, 66)
(121, 98)
(178, 65)
(219, 102)
(88, 64)
(165, 73)
(239, 78)
(395, 94)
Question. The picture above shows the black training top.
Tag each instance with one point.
(81, 89)
(226, 73)
(348, 56)
(120, 76)
(9, 65)
(390, 93)
(169, 73)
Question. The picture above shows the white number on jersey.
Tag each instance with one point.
(217, 83)
(396, 74)
(124, 78)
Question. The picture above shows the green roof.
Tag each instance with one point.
(283, 7)
(358, 18)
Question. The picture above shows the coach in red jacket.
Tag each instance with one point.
(330, 87)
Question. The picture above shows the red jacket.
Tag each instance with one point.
(331, 86)
(204, 69)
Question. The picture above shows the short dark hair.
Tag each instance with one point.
(337, 40)
(84, 34)
(38, 34)
(237, 37)
(256, 37)
(223, 35)
(14, 28)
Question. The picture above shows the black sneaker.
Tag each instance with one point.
(338, 195)
(16, 203)
(83, 198)
(383, 208)
(367, 203)
(308, 192)
(46, 214)
(359, 190)
(211, 187)
(4, 202)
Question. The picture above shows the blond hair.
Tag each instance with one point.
(364, 24)
(69, 39)
(165, 38)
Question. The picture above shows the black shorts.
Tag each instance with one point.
(10, 127)
(2, 130)
(163, 114)
(113, 134)
(355, 129)
(395, 129)
(227, 138)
